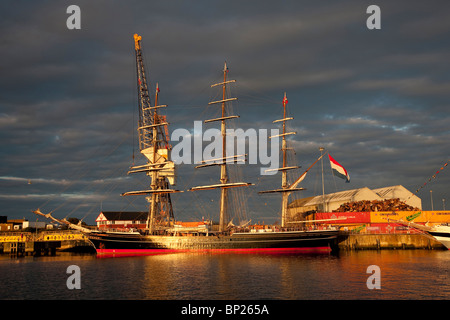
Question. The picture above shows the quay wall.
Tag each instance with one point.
(389, 241)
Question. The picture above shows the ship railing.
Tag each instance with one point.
(393, 230)
(272, 229)
(119, 229)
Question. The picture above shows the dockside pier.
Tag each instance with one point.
(44, 243)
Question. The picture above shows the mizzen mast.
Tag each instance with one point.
(286, 189)
(154, 145)
(224, 159)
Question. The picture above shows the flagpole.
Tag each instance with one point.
(323, 185)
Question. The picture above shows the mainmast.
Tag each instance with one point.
(154, 145)
(286, 189)
(222, 161)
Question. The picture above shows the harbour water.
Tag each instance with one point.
(403, 275)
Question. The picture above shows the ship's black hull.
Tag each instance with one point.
(120, 244)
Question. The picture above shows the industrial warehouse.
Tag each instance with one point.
(366, 210)
(384, 218)
(331, 202)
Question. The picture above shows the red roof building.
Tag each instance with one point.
(121, 220)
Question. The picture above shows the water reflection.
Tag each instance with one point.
(405, 274)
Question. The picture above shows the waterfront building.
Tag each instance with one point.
(332, 201)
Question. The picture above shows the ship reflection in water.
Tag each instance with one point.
(405, 274)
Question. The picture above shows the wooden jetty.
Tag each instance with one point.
(44, 243)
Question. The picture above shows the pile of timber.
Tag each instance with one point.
(375, 205)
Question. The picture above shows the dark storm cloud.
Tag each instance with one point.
(377, 100)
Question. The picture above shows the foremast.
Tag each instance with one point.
(224, 159)
(286, 189)
(154, 145)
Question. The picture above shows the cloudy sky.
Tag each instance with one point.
(377, 100)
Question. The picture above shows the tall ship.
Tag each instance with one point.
(163, 233)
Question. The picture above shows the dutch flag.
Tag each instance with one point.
(339, 170)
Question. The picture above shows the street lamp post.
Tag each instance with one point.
(431, 198)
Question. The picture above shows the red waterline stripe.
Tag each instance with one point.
(138, 252)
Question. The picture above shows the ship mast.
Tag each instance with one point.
(154, 145)
(286, 189)
(222, 161)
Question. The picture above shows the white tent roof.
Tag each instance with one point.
(346, 196)
(365, 194)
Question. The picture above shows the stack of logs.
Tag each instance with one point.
(375, 205)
